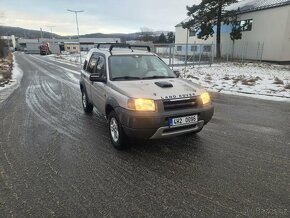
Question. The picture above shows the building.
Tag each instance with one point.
(57, 45)
(265, 31)
(31, 46)
(72, 47)
(11, 42)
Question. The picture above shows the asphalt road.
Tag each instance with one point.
(57, 161)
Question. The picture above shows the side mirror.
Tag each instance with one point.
(177, 73)
(96, 78)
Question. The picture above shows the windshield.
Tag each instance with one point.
(135, 67)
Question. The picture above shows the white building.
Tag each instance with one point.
(265, 28)
(11, 42)
(58, 45)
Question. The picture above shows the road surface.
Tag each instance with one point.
(57, 161)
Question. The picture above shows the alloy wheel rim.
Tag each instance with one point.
(114, 129)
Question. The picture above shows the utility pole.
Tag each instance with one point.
(52, 38)
(186, 50)
(41, 36)
(76, 13)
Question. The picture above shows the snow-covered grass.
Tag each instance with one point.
(73, 58)
(13, 83)
(258, 80)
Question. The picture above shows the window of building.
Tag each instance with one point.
(192, 33)
(68, 47)
(193, 48)
(74, 48)
(179, 48)
(207, 48)
(246, 25)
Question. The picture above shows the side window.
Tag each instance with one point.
(85, 65)
(92, 64)
(101, 67)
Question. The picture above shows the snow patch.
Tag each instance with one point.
(264, 81)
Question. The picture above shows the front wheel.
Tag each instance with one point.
(88, 107)
(117, 135)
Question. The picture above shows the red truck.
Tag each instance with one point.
(44, 49)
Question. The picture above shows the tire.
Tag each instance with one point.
(87, 106)
(118, 138)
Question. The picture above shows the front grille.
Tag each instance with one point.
(179, 104)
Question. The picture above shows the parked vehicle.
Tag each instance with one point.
(44, 49)
(140, 96)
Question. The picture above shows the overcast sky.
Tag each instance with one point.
(106, 16)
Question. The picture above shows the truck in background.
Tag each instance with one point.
(44, 49)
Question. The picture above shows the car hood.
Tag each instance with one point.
(149, 89)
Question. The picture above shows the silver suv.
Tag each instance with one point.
(140, 96)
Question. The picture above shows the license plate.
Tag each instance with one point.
(183, 121)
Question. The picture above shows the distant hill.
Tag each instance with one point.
(32, 34)
(25, 33)
(122, 36)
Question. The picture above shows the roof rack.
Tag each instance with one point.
(119, 45)
(140, 46)
(104, 43)
(123, 45)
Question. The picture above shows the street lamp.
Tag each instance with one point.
(53, 51)
(76, 13)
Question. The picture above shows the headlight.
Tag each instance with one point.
(205, 98)
(141, 104)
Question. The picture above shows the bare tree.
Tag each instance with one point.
(146, 34)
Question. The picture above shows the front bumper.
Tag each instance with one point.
(153, 125)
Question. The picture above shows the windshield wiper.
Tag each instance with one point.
(127, 78)
(158, 77)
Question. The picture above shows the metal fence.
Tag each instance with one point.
(241, 51)
(185, 54)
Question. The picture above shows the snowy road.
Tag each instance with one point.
(57, 161)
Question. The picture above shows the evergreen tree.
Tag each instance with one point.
(236, 33)
(170, 37)
(162, 38)
(207, 15)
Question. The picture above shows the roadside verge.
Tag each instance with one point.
(13, 83)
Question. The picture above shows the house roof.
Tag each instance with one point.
(246, 6)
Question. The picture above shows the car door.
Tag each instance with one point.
(90, 68)
(98, 89)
